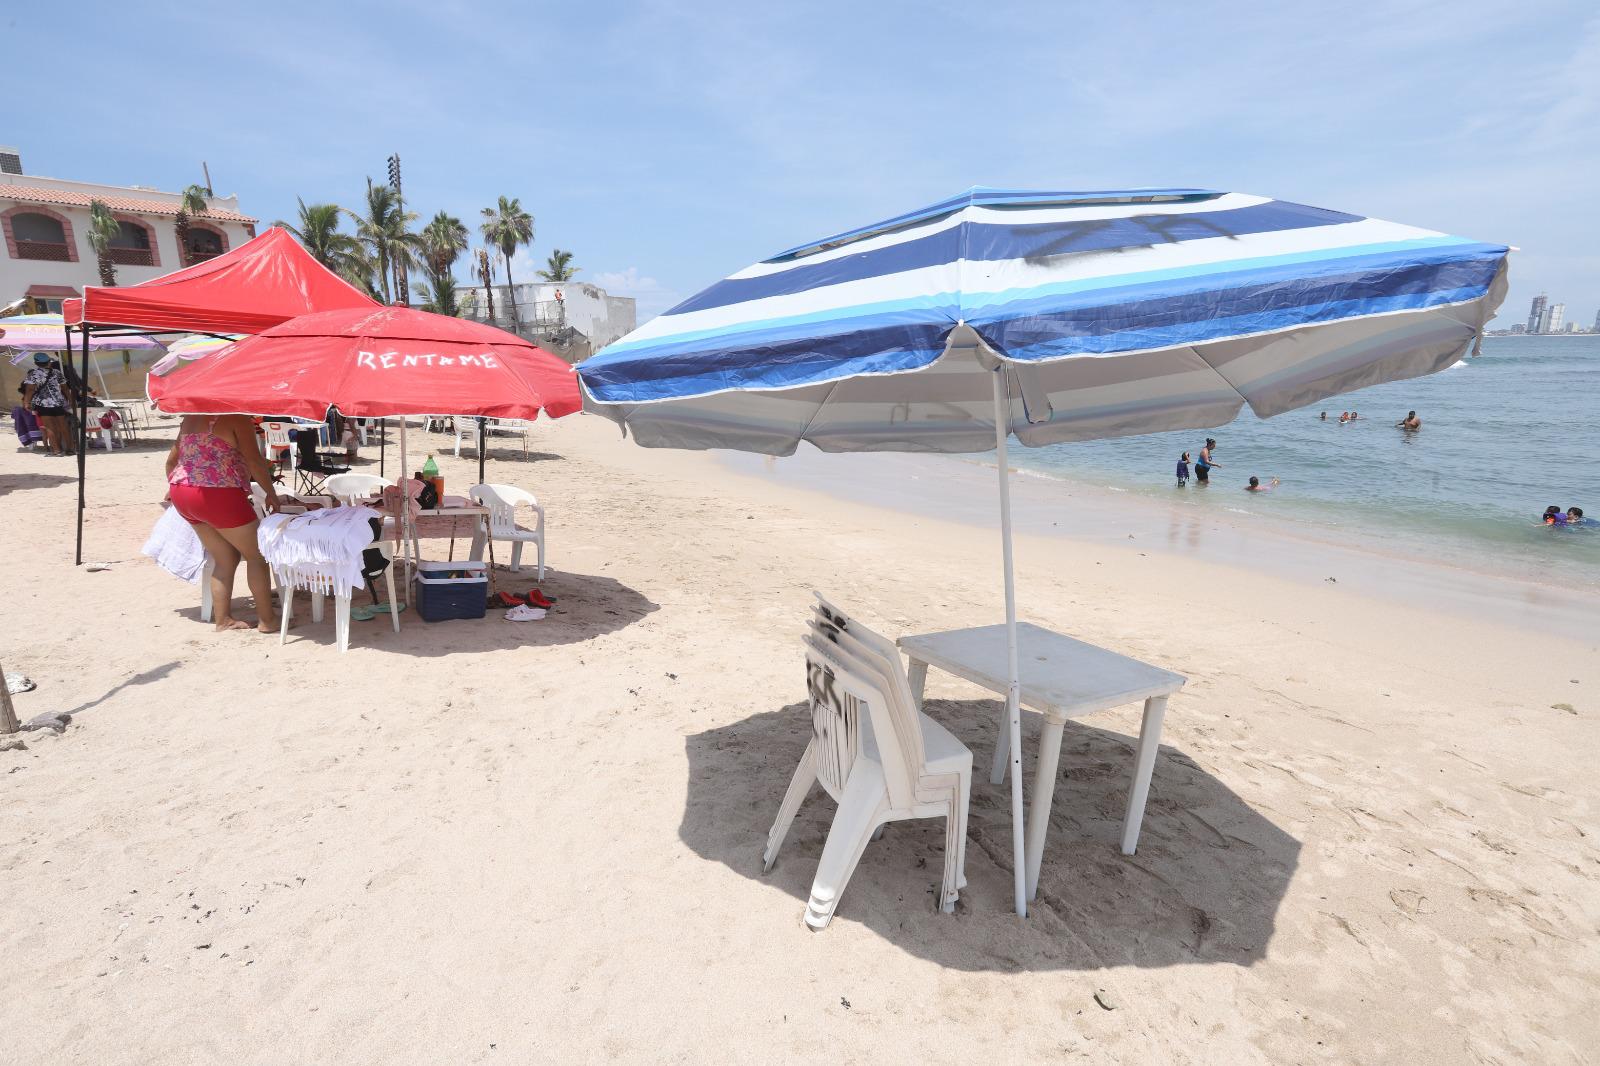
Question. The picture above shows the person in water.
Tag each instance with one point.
(1344, 416)
(1256, 485)
(1183, 469)
(1324, 416)
(1554, 517)
(1410, 421)
(1202, 468)
(1575, 516)
(209, 471)
(1354, 416)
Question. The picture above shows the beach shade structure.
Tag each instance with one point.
(1050, 317)
(24, 335)
(190, 348)
(375, 362)
(267, 280)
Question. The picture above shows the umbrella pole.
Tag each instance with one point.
(383, 444)
(480, 450)
(1002, 428)
(83, 434)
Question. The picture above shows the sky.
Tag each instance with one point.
(669, 144)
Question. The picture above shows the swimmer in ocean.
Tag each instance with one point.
(1183, 470)
(1554, 517)
(1256, 485)
(1575, 517)
(1410, 421)
(1344, 416)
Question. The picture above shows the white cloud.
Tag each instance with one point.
(653, 296)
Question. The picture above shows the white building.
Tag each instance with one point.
(46, 223)
(572, 318)
(1558, 312)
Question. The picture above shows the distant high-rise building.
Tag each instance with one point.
(1518, 327)
(1557, 313)
(1597, 322)
(1536, 313)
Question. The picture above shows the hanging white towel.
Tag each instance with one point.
(318, 550)
(175, 548)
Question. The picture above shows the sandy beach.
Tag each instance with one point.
(1372, 834)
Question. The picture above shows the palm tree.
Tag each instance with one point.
(385, 232)
(318, 232)
(102, 230)
(192, 201)
(507, 225)
(486, 273)
(560, 267)
(444, 238)
(439, 296)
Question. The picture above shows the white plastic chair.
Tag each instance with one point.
(502, 502)
(349, 488)
(275, 437)
(341, 602)
(879, 757)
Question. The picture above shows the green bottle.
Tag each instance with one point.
(430, 469)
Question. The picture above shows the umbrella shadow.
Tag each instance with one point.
(1204, 887)
(10, 483)
(587, 606)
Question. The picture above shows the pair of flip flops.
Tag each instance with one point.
(531, 598)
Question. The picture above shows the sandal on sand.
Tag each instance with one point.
(363, 613)
(383, 608)
(501, 600)
(535, 598)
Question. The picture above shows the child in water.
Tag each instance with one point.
(1256, 485)
(1183, 470)
(1554, 517)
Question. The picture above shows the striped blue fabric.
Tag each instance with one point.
(1046, 279)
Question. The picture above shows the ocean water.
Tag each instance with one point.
(1504, 435)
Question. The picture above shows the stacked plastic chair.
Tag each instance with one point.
(876, 754)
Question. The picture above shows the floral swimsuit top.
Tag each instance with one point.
(206, 461)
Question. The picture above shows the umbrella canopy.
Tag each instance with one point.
(372, 363)
(1049, 316)
(25, 334)
(266, 280)
(1113, 313)
(190, 348)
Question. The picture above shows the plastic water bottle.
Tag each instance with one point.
(430, 473)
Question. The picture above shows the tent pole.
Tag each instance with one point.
(1002, 429)
(481, 421)
(383, 444)
(83, 434)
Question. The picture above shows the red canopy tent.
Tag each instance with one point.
(263, 282)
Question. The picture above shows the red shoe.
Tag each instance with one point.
(535, 598)
(505, 599)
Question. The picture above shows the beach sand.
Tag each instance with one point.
(1371, 838)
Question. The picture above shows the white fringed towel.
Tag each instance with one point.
(318, 550)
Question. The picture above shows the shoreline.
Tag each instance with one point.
(1059, 507)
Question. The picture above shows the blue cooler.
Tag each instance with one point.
(441, 595)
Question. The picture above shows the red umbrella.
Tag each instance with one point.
(373, 363)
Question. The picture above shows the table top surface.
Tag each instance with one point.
(1061, 677)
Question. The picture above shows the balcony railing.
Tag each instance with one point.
(53, 253)
(191, 257)
(133, 257)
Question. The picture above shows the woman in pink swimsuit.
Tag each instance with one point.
(209, 471)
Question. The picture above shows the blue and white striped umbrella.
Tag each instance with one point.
(1049, 316)
(1113, 313)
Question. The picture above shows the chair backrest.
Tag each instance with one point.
(277, 435)
(352, 487)
(502, 501)
(879, 654)
(842, 705)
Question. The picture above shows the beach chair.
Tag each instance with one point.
(277, 443)
(349, 488)
(502, 502)
(372, 554)
(312, 467)
(880, 758)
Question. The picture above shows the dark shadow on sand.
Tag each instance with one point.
(156, 673)
(10, 483)
(1204, 886)
(587, 606)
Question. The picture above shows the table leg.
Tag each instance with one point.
(1002, 750)
(479, 536)
(1155, 709)
(917, 677)
(1044, 790)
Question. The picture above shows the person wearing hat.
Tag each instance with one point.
(45, 394)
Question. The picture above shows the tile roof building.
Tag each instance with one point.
(47, 256)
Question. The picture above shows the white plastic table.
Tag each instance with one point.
(1061, 678)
